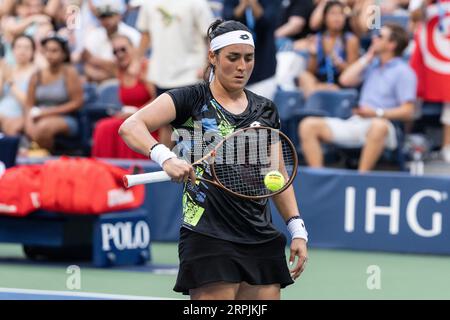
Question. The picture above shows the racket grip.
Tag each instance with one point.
(130, 180)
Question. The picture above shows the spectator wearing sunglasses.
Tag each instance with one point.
(134, 92)
(98, 53)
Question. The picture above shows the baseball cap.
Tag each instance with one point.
(108, 7)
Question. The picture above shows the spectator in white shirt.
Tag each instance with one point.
(97, 54)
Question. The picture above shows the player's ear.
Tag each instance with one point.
(212, 57)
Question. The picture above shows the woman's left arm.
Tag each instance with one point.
(75, 91)
(287, 207)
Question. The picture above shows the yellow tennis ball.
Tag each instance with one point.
(274, 180)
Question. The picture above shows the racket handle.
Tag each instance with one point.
(130, 180)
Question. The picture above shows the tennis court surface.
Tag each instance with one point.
(330, 274)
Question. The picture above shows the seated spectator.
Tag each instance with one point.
(98, 57)
(54, 95)
(388, 94)
(394, 7)
(260, 17)
(26, 17)
(294, 19)
(331, 51)
(6, 7)
(14, 85)
(134, 92)
(358, 13)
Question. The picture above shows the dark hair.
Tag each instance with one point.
(398, 35)
(122, 36)
(24, 36)
(220, 27)
(63, 43)
(328, 6)
(217, 28)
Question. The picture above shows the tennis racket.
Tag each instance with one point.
(239, 163)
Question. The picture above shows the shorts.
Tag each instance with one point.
(205, 259)
(72, 123)
(352, 132)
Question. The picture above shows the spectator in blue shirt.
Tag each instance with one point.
(388, 94)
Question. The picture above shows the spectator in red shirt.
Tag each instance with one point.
(134, 92)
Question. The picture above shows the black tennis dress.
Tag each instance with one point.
(223, 237)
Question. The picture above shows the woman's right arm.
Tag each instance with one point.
(315, 21)
(31, 93)
(312, 51)
(135, 131)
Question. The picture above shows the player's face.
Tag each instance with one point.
(234, 65)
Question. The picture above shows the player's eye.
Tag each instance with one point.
(249, 58)
(233, 57)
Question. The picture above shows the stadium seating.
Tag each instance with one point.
(331, 104)
(429, 123)
(130, 16)
(402, 20)
(8, 150)
(288, 104)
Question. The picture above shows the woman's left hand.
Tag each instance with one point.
(298, 249)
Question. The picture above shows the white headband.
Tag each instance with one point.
(232, 37)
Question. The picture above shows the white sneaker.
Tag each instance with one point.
(445, 152)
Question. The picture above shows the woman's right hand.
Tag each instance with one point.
(179, 170)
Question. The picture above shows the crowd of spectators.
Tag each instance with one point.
(54, 52)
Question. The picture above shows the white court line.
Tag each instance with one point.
(80, 294)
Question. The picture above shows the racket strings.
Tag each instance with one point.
(243, 161)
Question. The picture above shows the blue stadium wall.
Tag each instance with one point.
(343, 209)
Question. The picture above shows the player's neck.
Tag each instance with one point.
(233, 101)
(220, 92)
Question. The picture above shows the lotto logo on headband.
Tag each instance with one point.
(230, 38)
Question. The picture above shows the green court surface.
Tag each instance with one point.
(330, 274)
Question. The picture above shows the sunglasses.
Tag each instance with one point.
(106, 15)
(379, 35)
(119, 50)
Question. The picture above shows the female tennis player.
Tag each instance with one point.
(229, 248)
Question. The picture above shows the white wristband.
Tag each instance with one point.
(160, 153)
(297, 229)
(35, 112)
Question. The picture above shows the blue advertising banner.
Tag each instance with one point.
(377, 211)
(385, 211)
